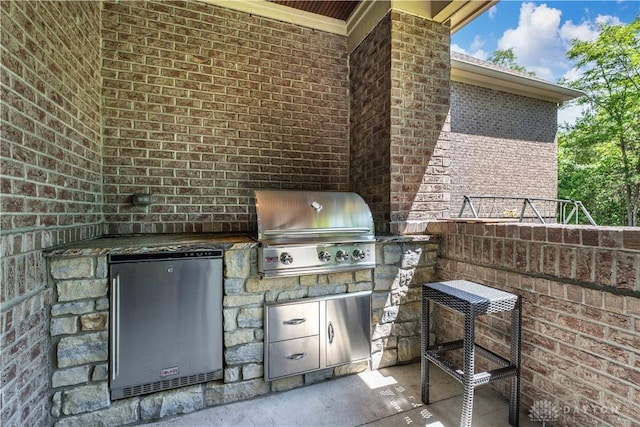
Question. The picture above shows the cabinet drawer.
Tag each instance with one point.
(294, 356)
(293, 321)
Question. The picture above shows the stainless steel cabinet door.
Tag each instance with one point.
(348, 329)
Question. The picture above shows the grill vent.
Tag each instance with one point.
(165, 385)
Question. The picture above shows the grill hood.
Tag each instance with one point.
(286, 217)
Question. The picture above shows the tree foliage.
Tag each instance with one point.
(507, 58)
(599, 156)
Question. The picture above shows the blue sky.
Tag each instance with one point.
(540, 32)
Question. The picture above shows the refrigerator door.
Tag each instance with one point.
(166, 323)
(348, 329)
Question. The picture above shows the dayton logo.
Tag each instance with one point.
(543, 410)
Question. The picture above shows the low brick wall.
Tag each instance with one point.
(581, 312)
(80, 313)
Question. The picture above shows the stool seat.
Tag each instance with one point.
(471, 300)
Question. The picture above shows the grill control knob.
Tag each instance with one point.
(286, 258)
(324, 256)
(358, 254)
(342, 256)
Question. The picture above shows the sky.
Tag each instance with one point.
(540, 33)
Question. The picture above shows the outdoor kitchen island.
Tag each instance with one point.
(80, 324)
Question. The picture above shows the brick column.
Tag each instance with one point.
(399, 128)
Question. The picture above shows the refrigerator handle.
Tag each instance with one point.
(115, 327)
(331, 333)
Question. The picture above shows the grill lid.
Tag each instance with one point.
(286, 216)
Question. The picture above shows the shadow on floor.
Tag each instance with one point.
(386, 397)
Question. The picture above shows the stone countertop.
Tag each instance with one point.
(145, 243)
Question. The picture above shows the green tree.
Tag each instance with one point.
(507, 59)
(599, 156)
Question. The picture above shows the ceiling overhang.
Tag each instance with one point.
(366, 15)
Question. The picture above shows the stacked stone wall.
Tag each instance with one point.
(79, 330)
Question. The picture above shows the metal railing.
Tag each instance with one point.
(526, 209)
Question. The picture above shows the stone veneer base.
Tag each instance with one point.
(80, 321)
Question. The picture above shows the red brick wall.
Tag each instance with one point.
(581, 311)
(202, 104)
(501, 144)
(370, 90)
(50, 178)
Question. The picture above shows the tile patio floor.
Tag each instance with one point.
(387, 397)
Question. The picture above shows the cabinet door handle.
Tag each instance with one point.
(295, 321)
(295, 356)
(331, 332)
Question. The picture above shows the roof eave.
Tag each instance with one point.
(465, 72)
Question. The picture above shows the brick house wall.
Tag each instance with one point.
(502, 144)
(202, 104)
(50, 178)
(198, 105)
(581, 311)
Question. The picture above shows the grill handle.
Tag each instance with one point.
(310, 231)
(294, 321)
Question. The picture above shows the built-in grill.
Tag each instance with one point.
(313, 232)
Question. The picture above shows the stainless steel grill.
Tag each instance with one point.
(313, 232)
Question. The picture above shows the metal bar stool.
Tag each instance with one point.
(472, 299)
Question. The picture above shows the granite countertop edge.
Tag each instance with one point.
(134, 244)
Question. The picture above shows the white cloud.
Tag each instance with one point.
(608, 20)
(493, 11)
(478, 53)
(569, 114)
(458, 48)
(477, 43)
(585, 31)
(536, 41)
(572, 74)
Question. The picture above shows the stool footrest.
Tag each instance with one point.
(434, 355)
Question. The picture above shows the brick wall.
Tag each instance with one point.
(581, 311)
(399, 132)
(202, 103)
(420, 70)
(370, 90)
(501, 144)
(49, 178)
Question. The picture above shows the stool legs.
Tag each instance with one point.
(516, 335)
(424, 362)
(468, 384)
